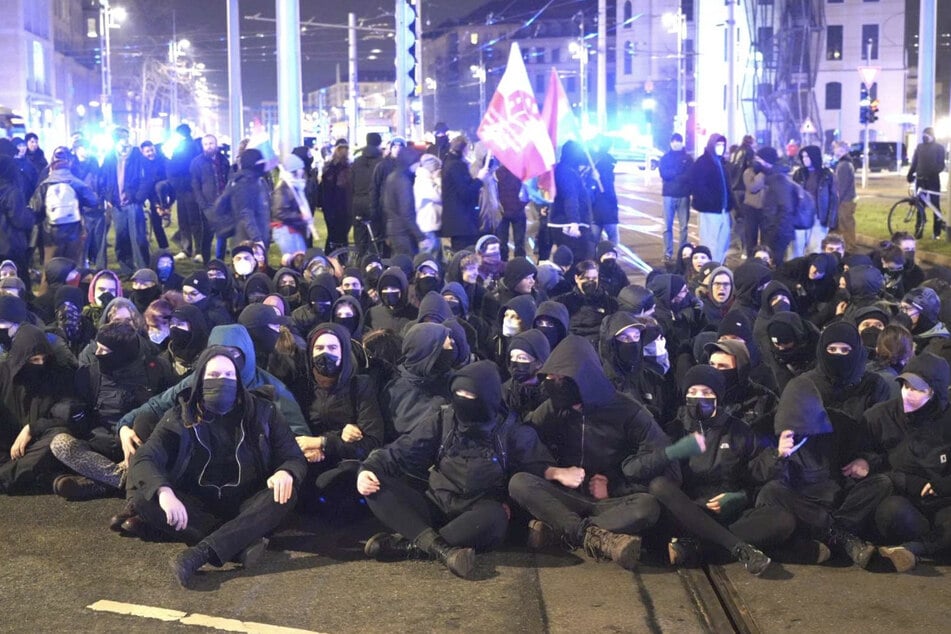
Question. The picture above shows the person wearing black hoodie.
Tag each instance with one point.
(164, 266)
(321, 295)
(792, 347)
(742, 397)
(552, 319)
(361, 183)
(221, 470)
(922, 307)
(812, 473)
(16, 219)
(910, 440)
(612, 277)
(678, 313)
(394, 310)
(187, 337)
(819, 182)
(814, 280)
(716, 480)
(588, 303)
(399, 210)
(778, 202)
(523, 393)
(197, 291)
(516, 316)
(608, 448)
(470, 448)
(570, 217)
(711, 196)
(32, 384)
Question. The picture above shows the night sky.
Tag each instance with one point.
(148, 31)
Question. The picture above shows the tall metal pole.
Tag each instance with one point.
(865, 142)
(173, 118)
(105, 15)
(482, 76)
(927, 37)
(731, 72)
(289, 103)
(681, 74)
(402, 67)
(602, 118)
(352, 77)
(583, 65)
(235, 101)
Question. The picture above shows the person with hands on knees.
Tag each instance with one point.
(607, 448)
(219, 472)
(713, 457)
(471, 448)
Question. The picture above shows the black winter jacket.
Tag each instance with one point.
(675, 172)
(137, 185)
(460, 198)
(361, 181)
(208, 178)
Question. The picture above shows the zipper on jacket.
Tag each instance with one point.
(208, 462)
(584, 419)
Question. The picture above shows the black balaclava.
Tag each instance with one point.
(534, 343)
(564, 394)
(786, 328)
(142, 297)
(123, 343)
(321, 300)
(841, 370)
(186, 345)
(478, 415)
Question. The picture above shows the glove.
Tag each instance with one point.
(684, 448)
(732, 503)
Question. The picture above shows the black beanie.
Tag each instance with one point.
(199, 281)
(516, 270)
(12, 309)
(781, 333)
(251, 159)
(705, 375)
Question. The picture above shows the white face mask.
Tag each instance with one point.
(244, 267)
(676, 146)
(509, 328)
(719, 149)
(913, 400)
(158, 336)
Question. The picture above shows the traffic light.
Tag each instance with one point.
(406, 48)
(873, 111)
(864, 106)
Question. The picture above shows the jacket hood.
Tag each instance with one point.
(197, 325)
(422, 344)
(665, 287)
(482, 379)
(158, 255)
(845, 332)
(457, 291)
(556, 311)
(815, 155)
(790, 322)
(935, 372)
(524, 307)
(354, 303)
(533, 342)
(236, 336)
(712, 142)
(115, 304)
(636, 299)
(258, 284)
(435, 308)
(58, 269)
(572, 154)
(739, 351)
(323, 288)
(90, 295)
(707, 283)
(748, 277)
(610, 327)
(864, 281)
(857, 259)
(347, 363)
(773, 289)
(575, 358)
(194, 397)
(393, 276)
(69, 294)
(454, 270)
(284, 270)
(28, 341)
(800, 409)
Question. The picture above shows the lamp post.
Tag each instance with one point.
(109, 18)
(676, 23)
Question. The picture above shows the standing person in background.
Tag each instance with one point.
(513, 213)
(740, 159)
(845, 193)
(155, 173)
(440, 146)
(675, 171)
(750, 198)
(34, 154)
(209, 176)
(711, 196)
(334, 196)
(16, 219)
(399, 209)
(361, 197)
(85, 167)
(604, 205)
(58, 203)
(124, 188)
(926, 165)
(386, 165)
(189, 216)
(570, 218)
(250, 201)
(460, 196)
(820, 182)
(427, 197)
(290, 212)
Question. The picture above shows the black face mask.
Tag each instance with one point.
(105, 298)
(471, 410)
(455, 306)
(287, 290)
(373, 277)
(265, 337)
(782, 305)
(354, 292)
(563, 396)
(350, 323)
(109, 362)
(628, 353)
(327, 364)
(792, 356)
(219, 395)
(701, 408)
(732, 377)
(218, 284)
(444, 361)
(425, 285)
(909, 258)
(32, 372)
(840, 365)
(521, 371)
(5, 339)
(589, 288)
(323, 310)
(142, 297)
(179, 338)
(870, 337)
(551, 333)
(390, 298)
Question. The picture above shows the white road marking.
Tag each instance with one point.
(200, 620)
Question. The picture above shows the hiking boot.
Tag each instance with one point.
(77, 488)
(754, 560)
(186, 563)
(392, 547)
(459, 561)
(903, 559)
(252, 554)
(116, 521)
(540, 536)
(683, 551)
(603, 545)
(858, 550)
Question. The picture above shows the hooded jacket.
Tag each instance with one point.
(613, 435)
(710, 180)
(393, 318)
(181, 446)
(820, 182)
(16, 219)
(399, 207)
(361, 181)
(460, 198)
(351, 400)
(234, 336)
(572, 204)
(680, 322)
(321, 295)
(802, 357)
(174, 281)
(470, 461)
(713, 311)
(587, 311)
(524, 398)
(556, 312)
(182, 356)
(635, 299)
(250, 204)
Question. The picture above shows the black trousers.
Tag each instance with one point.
(190, 223)
(571, 511)
(543, 237)
(410, 512)
(518, 225)
(582, 247)
(853, 510)
(762, 527)
(331, 489)
(899, 520)
(157, 227)
(338, 229)
(227, 527)
(755, 227)
(35, 470)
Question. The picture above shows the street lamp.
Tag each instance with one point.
(109, 18)
(579, 50)
(677, 23)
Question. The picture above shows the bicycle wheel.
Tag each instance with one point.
(907, 215)
(347, 256)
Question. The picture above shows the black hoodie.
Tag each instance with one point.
(184, 349)
(321, 295)
(613, 435)
(174, 281)
(710, 181)
(396, 317)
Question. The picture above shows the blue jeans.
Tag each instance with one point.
(132, 246)
(715, 232)
(609, 230)
(287, 241)
(679, 207)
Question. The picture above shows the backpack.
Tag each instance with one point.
(62, 206)
(804, 207)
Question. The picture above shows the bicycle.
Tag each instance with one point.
(912, 212)
(350, 255)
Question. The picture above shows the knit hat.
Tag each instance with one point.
(483, 243)
(14, 282)
(781, 333)
(768, 154)
(257, 315)
(705, 375)
(251, 159)
(563, 256)
(12, 309)
(735, 323)
(199, 281)
(122, 339)
(516, 270)
(145, 276)
(605, 246)
(374, 139)
(69, 294)
(292, 163)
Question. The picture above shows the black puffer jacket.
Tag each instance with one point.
(613, 435)
(361, 181)
(460, 198)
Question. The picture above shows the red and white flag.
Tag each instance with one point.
(512, 127)
(561, 124)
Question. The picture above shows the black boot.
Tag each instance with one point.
(754, 560)
(858, 550)
(605, 545)
(392, 547)
(116, 521)
(186, 563)
(459, 561)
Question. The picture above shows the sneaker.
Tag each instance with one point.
(181, 255)
(903, 559)
(683, 551)
(540, 535)
(754, 560)
(76, 488)
(603, 545)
